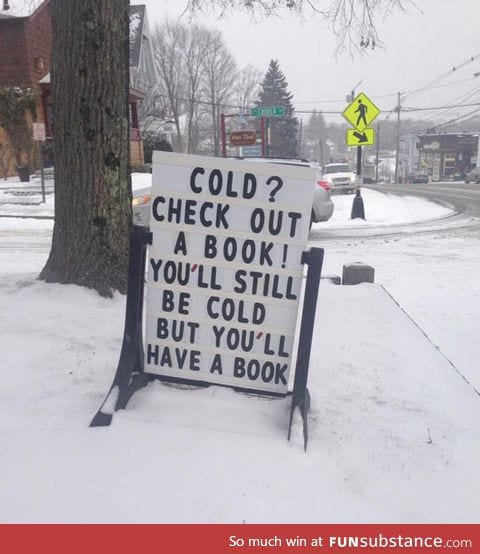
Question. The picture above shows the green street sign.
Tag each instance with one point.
(270, 111)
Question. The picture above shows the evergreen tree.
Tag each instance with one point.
(283, 130)
(314, 139)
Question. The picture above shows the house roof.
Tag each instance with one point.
(22, 8)
(137, 23)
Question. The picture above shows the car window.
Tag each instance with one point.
(337, 168)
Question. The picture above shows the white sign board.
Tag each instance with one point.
(224, 269)
(39, 133)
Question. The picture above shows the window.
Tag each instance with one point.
(337, 168)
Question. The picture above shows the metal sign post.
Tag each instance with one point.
(360, 113)
(39, 135)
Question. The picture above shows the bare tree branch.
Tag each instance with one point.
(353, 22)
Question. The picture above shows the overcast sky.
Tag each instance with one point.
(419, 47)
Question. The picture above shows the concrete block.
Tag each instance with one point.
(356, 273)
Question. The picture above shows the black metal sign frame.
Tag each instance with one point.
(131, 376)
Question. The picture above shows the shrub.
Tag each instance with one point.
(151, 142)
(15, 105)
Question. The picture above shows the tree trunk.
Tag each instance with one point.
(90, 79)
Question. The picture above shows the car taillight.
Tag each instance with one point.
(141, 200)
(324, 184)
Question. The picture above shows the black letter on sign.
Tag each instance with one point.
(217, 364)
(276, 188)
(193, 186)
(181, 244)
(156, 268)
(294, 216)
(215, 182)
(157, 200)
(249, 185)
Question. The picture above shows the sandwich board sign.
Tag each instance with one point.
(226, 256)
(225, 270)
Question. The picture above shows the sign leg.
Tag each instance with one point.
(301, 397)
(130, 375)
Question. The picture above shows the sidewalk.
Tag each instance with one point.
(24, 199)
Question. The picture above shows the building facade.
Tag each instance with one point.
(25, 47)
(449, 156)
(25, 51)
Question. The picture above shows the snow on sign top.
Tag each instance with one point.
(224, 269)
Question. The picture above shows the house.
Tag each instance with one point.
(25, 48)
(143, 75)
(142, 67)
(25, 45)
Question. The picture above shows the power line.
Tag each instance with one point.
(462, 98)
(443, 76)
(459, 118)
(407, 109)
(376, 96)
(422, 130)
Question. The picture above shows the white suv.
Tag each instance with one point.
(340, 177)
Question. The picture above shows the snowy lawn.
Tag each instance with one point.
(382, 209)
(393, 428)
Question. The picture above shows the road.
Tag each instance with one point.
(463, 198)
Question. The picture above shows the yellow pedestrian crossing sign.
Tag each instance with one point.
(363, 138)
(361, 112)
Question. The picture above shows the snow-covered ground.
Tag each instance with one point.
(394, 428)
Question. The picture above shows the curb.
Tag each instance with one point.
(27, 216)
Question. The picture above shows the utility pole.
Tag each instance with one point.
(223, 135)
(377, 153)
(478, 151)
(397, 153)
(263, 131)
(300, 138)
